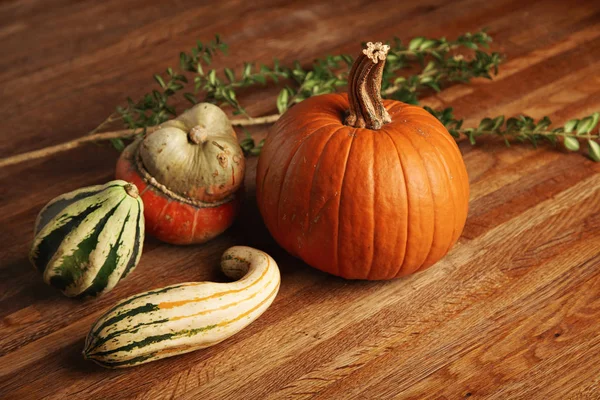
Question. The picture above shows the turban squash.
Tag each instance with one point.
(361, 187)
(189, 173)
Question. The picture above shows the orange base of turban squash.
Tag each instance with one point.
(173, 221)
(359, 187)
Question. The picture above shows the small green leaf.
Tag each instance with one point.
(298, 98)
(183, 61)
(118, 144)
(571, 143)
(170, 110)
(247, 70)
(594, 150)
(551, 138)
(570, 125)
(190, 97)
(231, 94)
(392, 58)
(430, 66)
(542, 124)
(437, 55)
(224, 48)
(485, 124)
(595, 118)
(533, 139)
(498, 122)
(160, 81)
(434, 85)
(512, 124)
(230, 75)
(282, 101)
(586, 125)
(212, 77)
(247, 144)
(415, 43)
(427, 44)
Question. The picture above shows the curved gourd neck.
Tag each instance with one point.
(364, 89)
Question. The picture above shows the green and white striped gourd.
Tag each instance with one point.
(87, 240)
(185, 317)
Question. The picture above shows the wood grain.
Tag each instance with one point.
(511, 313)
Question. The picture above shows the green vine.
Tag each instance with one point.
(437, 62)
(411, 71)
(525, 129)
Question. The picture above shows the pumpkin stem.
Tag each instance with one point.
(198, 134)
(364, 89)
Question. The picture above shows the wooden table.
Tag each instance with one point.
(513, 312)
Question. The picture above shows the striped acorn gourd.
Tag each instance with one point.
(185, 317)
(87, 240)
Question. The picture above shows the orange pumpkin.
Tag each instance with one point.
(360, 187)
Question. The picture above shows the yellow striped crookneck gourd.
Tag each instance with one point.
(185, 317)
(89, 239)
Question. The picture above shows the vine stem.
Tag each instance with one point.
(111, 118)
(267, 119)
(93, 136)
(390, 90)
(128, 133)
(542, 133)
(59, 148)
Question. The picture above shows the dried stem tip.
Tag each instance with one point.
(364, 89)
(132, 190)
(376, 51)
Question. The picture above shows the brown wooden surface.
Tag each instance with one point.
(513, 312)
